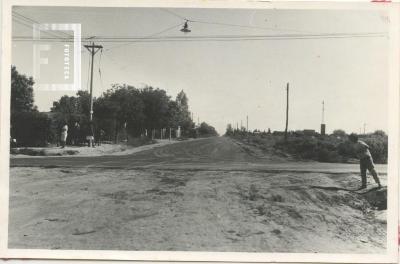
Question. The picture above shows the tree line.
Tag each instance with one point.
(122, 112)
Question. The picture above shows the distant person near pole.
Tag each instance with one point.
(64, 134)
(77, 133)
(90, 138)
(366, 161)
(102, 133)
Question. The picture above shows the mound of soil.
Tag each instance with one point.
(377, 198)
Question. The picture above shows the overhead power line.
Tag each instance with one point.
(30, 26)
(248, 27)
(128, 40)
(150, 36)
(30, 22)
(174, 14)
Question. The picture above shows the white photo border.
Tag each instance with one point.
(391, 255)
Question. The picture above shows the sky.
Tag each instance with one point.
(226, 81)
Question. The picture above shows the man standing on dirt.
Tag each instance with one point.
(366, 161)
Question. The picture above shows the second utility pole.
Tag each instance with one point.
(93, 49)
(287, 110)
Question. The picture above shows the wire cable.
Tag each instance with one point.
(88, 72)
(128, 40)
(30, 20)
(30, 26)
(248, 27)
(152, 35)
(101, 79)
(174, 14)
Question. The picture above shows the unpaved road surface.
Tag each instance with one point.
(209, 194)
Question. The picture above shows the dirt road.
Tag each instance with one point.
(204, 195)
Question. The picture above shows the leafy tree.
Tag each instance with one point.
(21, 92)
(205, 130)
(156, 107)
(182, 101)
(73, 105)
(229, 130)
(28, 126)
(71, 109)
(380, 133)
(124, 105)
(181, 116)
(339, 133)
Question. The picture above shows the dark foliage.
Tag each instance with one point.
(21, 92)
(333, 148)
(28, 126)
(31, 129)
(205, 130)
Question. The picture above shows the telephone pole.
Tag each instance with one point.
(323, 126)
(247, 123)
(287, 110)
(93, 49)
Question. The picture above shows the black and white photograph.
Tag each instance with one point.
(202, 129)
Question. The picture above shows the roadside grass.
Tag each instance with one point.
(329, 148)
(41, 152)
(140, 141)
(102, 149)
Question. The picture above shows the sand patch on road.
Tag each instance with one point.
(198, 210)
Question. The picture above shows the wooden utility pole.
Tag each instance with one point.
(93, 49)
(247, 123)
(287, 110)
(323, 126)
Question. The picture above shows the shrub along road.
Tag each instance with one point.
(211, 194)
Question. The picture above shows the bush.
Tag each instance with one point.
(333, 149)
(139, 141)
(205, 130)
(31, 129)
(378, 147)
